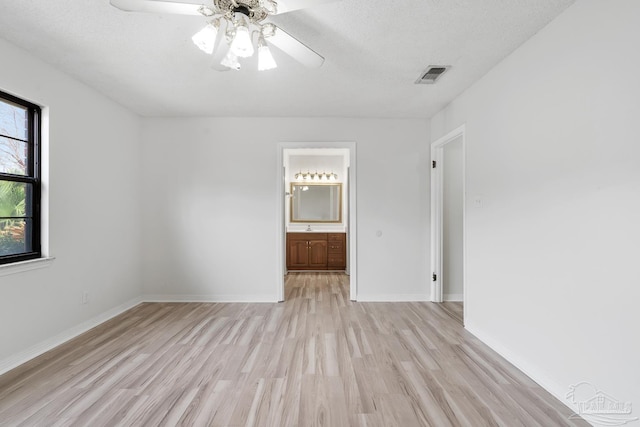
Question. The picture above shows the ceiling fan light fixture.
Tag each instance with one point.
(238, 21)
(231, 61)
(205, 39)
(242, 46)
(265, 58)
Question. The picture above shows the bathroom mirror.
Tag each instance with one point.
(316, 202)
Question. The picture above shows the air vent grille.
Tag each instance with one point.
(432, 74)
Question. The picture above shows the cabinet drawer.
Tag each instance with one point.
(336, 261)
(337, 237)
(335, 247)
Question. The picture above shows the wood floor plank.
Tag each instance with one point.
(454, 309)
(318, 359)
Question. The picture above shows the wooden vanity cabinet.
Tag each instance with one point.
(316, 251)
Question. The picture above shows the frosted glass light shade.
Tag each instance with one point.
(205, 39)
(242, 46)
(231, 61)
(265, 59)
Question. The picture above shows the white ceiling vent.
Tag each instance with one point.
(431, 74)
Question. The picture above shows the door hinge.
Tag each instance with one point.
(434, 277)
(433, 164)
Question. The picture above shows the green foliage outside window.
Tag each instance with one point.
(12, 204)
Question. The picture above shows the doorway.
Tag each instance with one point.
(448, 222)
(347, 179)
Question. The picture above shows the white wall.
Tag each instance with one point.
(452, 209)
(211, 207)
(94, 212)
(553, 153)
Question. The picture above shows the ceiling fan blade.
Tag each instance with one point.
(153, 6)
(295, 48)
(285, 6)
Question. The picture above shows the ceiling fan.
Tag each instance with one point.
(234, 27)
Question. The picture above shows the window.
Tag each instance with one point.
(19, 180)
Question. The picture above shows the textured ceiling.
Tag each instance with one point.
(374, 50)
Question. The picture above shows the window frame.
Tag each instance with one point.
(33, 177)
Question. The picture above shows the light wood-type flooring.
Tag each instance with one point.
(317, 359)
(455, 310)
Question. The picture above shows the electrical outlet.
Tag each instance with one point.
(85, 297)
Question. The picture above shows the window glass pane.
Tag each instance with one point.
(15, 236)
(13, 156)
(14, 199)
(19, 201)
(13, 120)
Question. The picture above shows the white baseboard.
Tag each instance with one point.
(210, 298)
(454, 297)
(393, 298)
(558, 391)
(34, 351)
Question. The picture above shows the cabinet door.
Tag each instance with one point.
(318, 253)
(298, 254)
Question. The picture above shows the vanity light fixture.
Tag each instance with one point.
(315, 176)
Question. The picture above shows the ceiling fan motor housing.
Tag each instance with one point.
(250, 8)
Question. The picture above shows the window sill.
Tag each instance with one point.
(19, 267)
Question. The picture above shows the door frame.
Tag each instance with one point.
(437, 193)
(351, 206)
